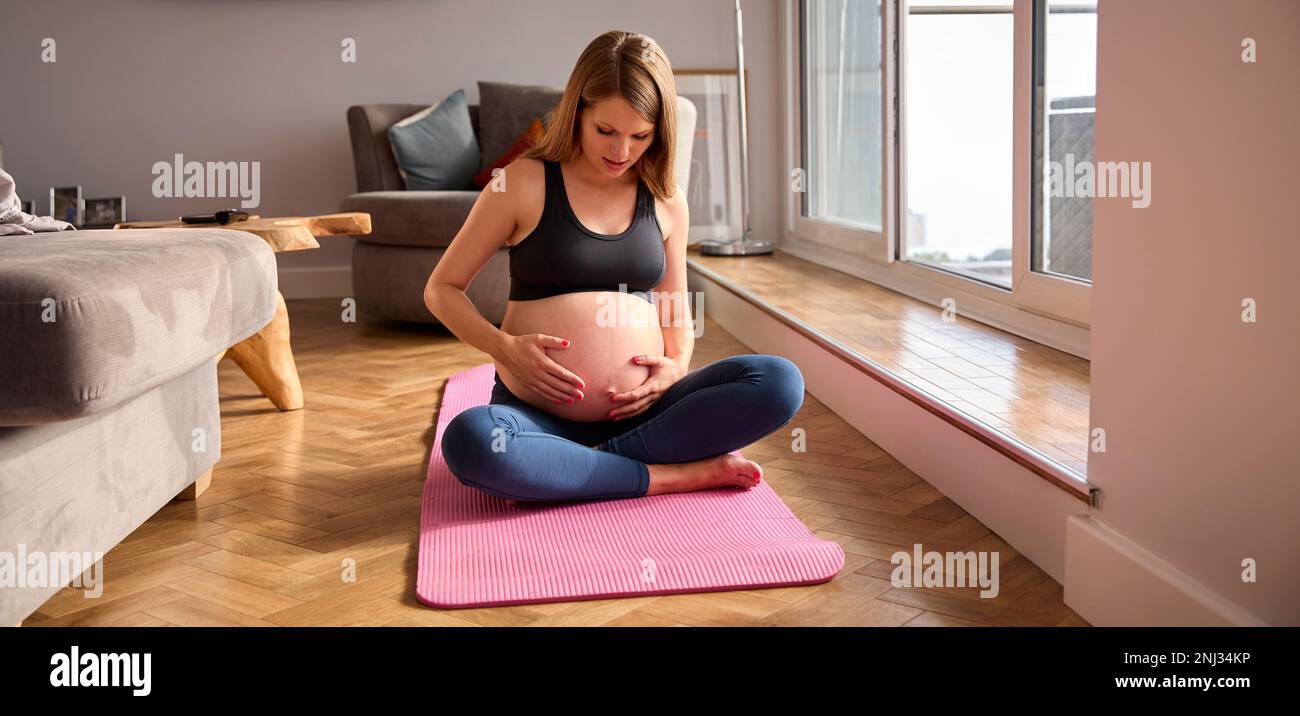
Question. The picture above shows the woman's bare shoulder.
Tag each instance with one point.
(522, 187)
(522, 181)
(673, 212)
(529, 169)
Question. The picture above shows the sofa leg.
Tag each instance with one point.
(267, 360)
(200, 485)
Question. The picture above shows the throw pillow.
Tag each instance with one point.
(526, 140)
(506, 110)
(436, 148)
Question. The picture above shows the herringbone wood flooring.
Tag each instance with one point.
(295, 494)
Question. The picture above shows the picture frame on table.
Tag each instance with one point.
(29, 206)
(105, 212)
(66, 204)
(714, 186)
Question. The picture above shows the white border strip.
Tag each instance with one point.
(1112, 581)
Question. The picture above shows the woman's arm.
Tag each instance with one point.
(490, 224)
(672, 299)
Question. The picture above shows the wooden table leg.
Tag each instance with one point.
(267, 360)
(197, 488)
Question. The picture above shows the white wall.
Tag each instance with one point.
(1202, 412)
(137, 81)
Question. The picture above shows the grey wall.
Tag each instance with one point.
(137, 81)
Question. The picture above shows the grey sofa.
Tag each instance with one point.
(108, 405)
(412, 229)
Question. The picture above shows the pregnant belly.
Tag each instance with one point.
(605, 329)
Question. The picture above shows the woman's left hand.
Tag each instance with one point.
(664, 371)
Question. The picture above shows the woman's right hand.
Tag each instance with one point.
(525, 357)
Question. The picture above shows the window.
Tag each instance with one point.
(1065, 104)
(957, 129)
(1053, 252)
(838, 179)
(841, 109)
(929, 131)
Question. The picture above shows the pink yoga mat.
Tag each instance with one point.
(476, 550)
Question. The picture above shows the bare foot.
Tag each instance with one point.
(722, 471)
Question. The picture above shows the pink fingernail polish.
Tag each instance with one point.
(565, 344)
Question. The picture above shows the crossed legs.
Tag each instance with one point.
(518, 452)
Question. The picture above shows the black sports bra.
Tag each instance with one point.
(563, 256)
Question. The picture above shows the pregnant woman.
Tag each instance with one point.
(594, 398)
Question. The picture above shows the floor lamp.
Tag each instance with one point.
(743, 246)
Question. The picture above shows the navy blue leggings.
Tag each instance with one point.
(710, 411)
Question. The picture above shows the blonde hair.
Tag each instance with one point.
(632, 66)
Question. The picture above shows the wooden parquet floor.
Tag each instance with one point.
(296, 494)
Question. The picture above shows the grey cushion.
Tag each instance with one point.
(132, 309)
(435, 148)
(413, 218)
(372, 157)
(505, 111)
